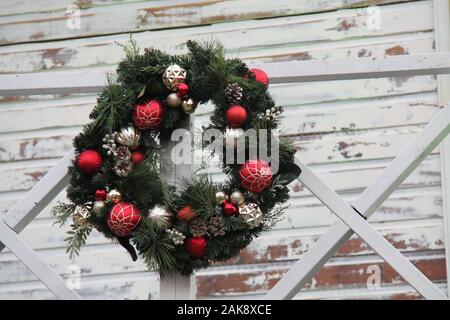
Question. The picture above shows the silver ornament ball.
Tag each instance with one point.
(221, 197)
(129, 136)
(99, 206)
(114, 196)
(188, 105)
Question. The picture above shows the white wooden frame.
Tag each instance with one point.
(352, 218)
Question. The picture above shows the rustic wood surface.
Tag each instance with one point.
(347, 130)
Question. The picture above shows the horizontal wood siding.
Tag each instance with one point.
(348, 131)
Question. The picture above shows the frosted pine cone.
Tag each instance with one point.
(233, 93)
(198, 228)
(216, 226)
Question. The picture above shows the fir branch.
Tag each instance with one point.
(62, 212)
(76, 239)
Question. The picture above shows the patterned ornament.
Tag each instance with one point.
(161, 216)
(123, 218)
(196, 246)
(89, 161)
(271, 113)
(260, 76)
(182, 89)
(129, 136)
(176, 236)
(148, 115)
(98, 207)
(229, 209)
(81, 216)
(233, 93)
(255, 175)
(236, 116)
(114, 196)
(173, 76)
(173, 100)
(137, 157)
(109, 143)
(237, 198)
(186, 214)
(188, 105)
(251, 214)
(221, 197)
(231, 136)
(100, 194)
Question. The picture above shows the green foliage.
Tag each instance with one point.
(139, 78)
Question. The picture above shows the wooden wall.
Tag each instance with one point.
(348, 131)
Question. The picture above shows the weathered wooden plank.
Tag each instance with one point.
(329, 276)
(237, 37)
(268, 250)
(139, 16)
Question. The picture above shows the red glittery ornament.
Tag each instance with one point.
(236, 116)
(255, 175)
(123, 218)
(148, 115)
(100, 195)
(182, 89)
(137, 157)
(89, 161)
(260, 76)
(196, 246)
(229, 209)
(186, 214)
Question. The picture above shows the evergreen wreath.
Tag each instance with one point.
(117, 186)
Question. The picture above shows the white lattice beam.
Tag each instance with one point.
(92, 81)
(310, 262)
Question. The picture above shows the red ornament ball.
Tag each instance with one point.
(137, 157)
(260, 76)
(183, 89)
(89, 161)
(229, 209)
(236, 116)
(186, 214)
(196, 246)
(123, 218)
(255, 175)
(148, 115)
(100, 194)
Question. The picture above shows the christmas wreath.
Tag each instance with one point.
(117, 185)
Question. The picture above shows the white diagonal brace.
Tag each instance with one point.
(367, 233)
(35, 264)
(43, 192)
(311, 261)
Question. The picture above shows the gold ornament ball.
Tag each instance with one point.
(114, 196)
(161, 216)
(173, 76)
(251, 214)
(129, 136)
(221, 197)
(188, 105)
(99, 206)
(237, 197)
(173, 100)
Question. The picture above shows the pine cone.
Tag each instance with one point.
(233, 93)
(216, 226)
(198, 228)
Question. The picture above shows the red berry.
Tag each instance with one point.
(229, 209)
(183, 89)
(100, 195)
